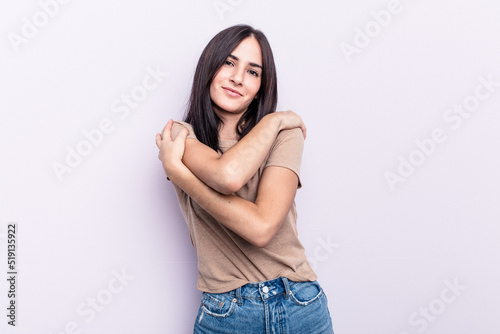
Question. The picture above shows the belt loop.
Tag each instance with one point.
(238, 296)
(287, 287)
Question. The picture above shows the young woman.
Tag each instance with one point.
(235, 165)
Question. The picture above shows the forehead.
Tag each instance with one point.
(248, 51)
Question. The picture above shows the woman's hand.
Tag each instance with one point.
(171, 151)
(289, 120)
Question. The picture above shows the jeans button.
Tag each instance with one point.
(265, 289)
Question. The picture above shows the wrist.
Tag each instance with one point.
(176, 171)
(274, 121)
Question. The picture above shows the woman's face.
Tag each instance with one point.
(237, 82)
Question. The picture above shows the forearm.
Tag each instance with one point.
(228, 172)
(257, 221)
(239, 215)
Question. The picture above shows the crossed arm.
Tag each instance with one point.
(210, 178)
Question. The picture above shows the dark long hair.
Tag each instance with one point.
(200, 113)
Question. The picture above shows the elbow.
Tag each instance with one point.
(265, 234)
(230, 183)
(261, 242)
(230, 187)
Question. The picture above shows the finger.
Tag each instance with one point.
(182, 135)
(158, 140)
(163, 130)
(166, 130)
(302, 127)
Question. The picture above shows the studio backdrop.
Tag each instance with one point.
(398, 211)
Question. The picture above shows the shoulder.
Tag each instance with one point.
(179, 125)
(292, 138)
(287, 150)
(295, 133)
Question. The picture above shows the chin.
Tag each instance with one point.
(233, 110)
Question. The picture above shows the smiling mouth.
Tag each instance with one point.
(232, 92)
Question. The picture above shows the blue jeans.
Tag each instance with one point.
(278, 306)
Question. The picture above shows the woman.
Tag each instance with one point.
(235, 165)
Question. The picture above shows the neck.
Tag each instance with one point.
(229, 124)
(228, 129)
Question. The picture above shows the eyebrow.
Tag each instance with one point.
(251, 64)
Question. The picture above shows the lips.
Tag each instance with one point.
(232, 92)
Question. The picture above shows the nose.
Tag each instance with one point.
(237, 76)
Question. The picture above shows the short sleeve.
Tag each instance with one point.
(177, 127)
(287, 151)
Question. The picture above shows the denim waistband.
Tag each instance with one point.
(262, 290)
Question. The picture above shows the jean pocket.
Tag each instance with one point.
(305, 293)
(220, 305)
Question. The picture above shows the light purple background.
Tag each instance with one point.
(384, 256)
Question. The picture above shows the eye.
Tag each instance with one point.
(228, 62)
(254, 73)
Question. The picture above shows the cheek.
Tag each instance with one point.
(212, 91)
(221, 75)
(255, 88)
(216, 82)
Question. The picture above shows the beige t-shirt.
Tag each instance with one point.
(226, 260)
